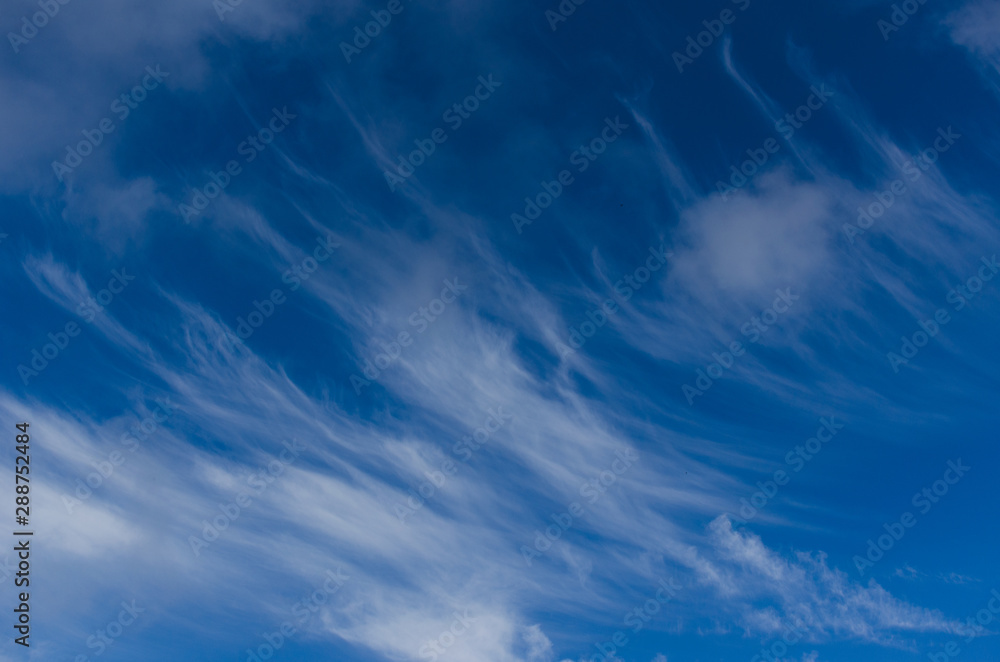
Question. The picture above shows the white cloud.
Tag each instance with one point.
(774, 593)
(976, 26)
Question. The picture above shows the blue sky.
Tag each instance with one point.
(468, 339)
